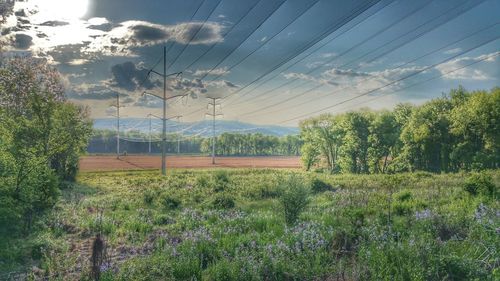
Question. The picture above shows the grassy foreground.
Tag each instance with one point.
(231, 225)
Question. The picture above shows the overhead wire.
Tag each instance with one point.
(428, 79)
(310, 44)
(194, 35)
(394, 81)
(295, 96)
(382, 46)
(374, 12)
(329, 31)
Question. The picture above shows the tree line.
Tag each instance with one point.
(41, 138)
(227, 144)
(458, 131)
(256, 144)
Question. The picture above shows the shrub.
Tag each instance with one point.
(170, 202)
(294, 198)
(318, 186)
(404, 196)
(480, 183)
(221, 180)
(149, 196)
(202, 181)
(223, 202)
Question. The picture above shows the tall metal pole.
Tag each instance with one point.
(118, 126)
(213, 137)
(213, 114)
(178, 140)
(150, 134)
(164, 135)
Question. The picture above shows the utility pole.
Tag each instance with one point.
(149, 115)
(164, 98)
(117, 106)
(163, 119)
(178, 138)
(213, 114)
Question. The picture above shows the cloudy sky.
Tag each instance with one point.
(273, 61)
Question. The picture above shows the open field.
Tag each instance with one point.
(142, 162)
(232, 225)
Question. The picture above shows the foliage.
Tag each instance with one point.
(223, 202)
(253, 145)
(228, 144)
(458, 131)
(318, 185)
(480, 183)
(294, 198)
(41, 137)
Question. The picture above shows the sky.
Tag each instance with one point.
(270, 61)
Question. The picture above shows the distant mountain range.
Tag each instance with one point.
(201, 128)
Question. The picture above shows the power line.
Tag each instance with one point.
(321, 85)
(429, 79)
(195, 34)
(213, 115)
(394, 81)
(382, 46)
(322, 36)
(321, 46)
(235, 48)
(310, 44)
(227, 32)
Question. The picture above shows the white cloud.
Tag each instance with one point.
(467, 73)
(216, 72)
(41, 30)
(452, 51)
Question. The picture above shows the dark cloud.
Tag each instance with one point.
(122, 38)
(5, 10)
(22, 41)
(20, 13)
(145, 33)
(66, 54)
(54, 23)
(201, 33)
(127, 76)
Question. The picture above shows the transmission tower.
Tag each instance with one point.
(213, 114)
(117, 106)
(164, 75)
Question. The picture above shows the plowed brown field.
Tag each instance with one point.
(136, 162)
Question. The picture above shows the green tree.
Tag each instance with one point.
(383, 141)
(42, 136)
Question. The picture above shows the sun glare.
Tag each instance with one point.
(64, 9)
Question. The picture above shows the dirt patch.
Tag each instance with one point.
(111, 163)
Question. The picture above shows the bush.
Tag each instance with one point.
(221, 180)
(223, 202)
(319, 186)
(171, 203)
(294, 198)
(480, 184)
(404, 196)
(149, 196)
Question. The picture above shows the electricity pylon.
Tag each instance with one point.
(164, 75)
(214, 104)
(117, 106)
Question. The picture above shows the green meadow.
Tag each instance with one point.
(264, 224)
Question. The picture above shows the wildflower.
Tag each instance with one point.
(425, 214)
